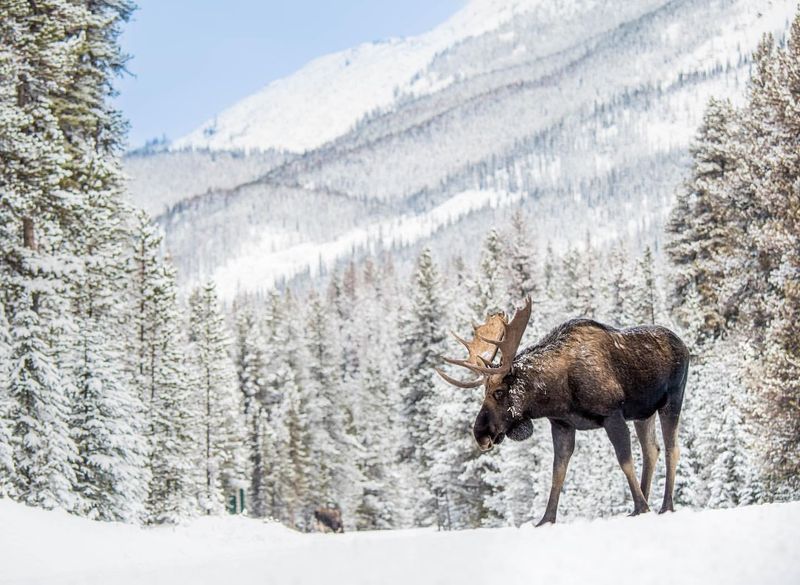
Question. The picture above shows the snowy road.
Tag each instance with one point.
(747, 545)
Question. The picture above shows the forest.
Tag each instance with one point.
(123, 397)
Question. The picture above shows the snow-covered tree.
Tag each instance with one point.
(214, 381)
(6, 451)
(44, 452)
(644, 297)
(699, 224)
(488, 287)
(251, 369)
(421, 344)
(158, 370)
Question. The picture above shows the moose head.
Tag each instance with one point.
(500, 416)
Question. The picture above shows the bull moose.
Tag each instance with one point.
(582, 375)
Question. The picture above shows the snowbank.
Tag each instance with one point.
(750, 545)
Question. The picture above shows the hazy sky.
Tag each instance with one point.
(192, 58)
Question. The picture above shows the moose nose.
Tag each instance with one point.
(485, 444)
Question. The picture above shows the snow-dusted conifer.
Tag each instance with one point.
(158, 365)
(251, 369)
(44, 452)
(214, 381)
(421, 344)
(644, 298)
(6, 451)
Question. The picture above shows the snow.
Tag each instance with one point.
(755, 544)
(277, 255)
(324, 99)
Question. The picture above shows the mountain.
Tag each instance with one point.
(754, 544)
(580, 111)
(328, 96)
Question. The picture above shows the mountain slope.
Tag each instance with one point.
(329, 95)
(742, 545)
(579, 111)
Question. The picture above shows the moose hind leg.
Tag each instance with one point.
(646, 431)
(669, 429)
(620, 437)
(563, 446)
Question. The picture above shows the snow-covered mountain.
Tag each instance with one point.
(324, 99)
(581, 111)
(754, 544)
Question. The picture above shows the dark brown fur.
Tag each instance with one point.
(585, 375)
(330, 518)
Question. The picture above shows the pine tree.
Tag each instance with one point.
(699, 223)
(214, 378)
(158, 370)
(421, 343)
(774, 107)
(375, 406)
(643, 293)
(489, 296)
(618, 288)
(578, 285)
(7, 474)
(44, 452)
(251, 367)
(521, 260)
(37, 214)
(289, 445)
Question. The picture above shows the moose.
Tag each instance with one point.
(329, 518)
(582, 375)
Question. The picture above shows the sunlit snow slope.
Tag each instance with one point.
(329, 95)
(738, 546)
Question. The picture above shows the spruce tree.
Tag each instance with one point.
(643, 294)
(6, 450)
(251, 367)
(214, 380)
(699, 223)
(421, 344)
(158, 370)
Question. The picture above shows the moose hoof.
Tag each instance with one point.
(636, 512)
(666, 509)
(546, 521)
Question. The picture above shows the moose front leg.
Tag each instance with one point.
(563, 446)
(620, 436)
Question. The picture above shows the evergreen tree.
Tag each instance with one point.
(251, 367)
(489, 295)
(643, 293)
(44, 452)
(578, 286)
(158, 370)
(618, 288)
(699, 223)
(521, 264)
(421, 343)
(292, 499)
(6, 452)
(214, 378)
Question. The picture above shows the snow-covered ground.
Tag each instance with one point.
(750, 545)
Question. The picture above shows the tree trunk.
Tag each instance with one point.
(28, 236)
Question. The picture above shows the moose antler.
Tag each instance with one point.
(496, 334)
(480, 351)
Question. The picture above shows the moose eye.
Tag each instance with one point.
(499, 394)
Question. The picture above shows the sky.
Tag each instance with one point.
(192, 58)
